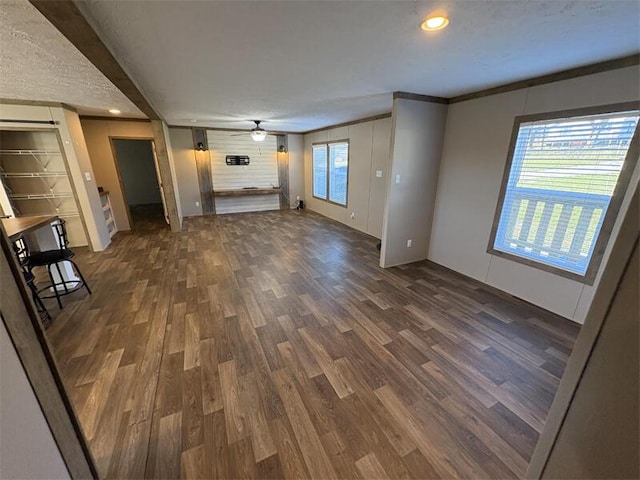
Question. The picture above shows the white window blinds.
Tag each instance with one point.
(320, 171)
(563, 174)
(338, 172)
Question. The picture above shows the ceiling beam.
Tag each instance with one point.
(421, 98)
(65, 16)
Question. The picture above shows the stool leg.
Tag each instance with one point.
(53, 284)
(39, 304)
(64, 282)
(86, 285)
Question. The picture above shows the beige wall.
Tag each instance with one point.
(175, 226)
(186, 171)
(599, 437)
(83, 177)
(27, 447)
(368, 152)
(416, 146)
(97, 133)
(473, 160)
(296, 168)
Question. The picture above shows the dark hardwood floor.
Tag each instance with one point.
(271, 345)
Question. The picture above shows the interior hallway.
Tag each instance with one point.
(272, 345)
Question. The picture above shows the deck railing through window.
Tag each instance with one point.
(555, 227)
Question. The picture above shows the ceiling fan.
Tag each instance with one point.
(258, 134)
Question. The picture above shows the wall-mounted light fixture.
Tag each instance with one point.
(200, 139)
(282, 143)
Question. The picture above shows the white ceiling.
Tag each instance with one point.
(38, 63)
(301, 65)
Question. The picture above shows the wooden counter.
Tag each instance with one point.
(20, 225)
(241, 192)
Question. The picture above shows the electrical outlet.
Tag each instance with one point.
(297, 197)
(87, 176)
(398, 178)
(353, 215)
(197, 204)
(379, 173)
(409, 243)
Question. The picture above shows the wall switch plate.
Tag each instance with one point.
(353, 215)
(398, 178)
(87, 176)
(379, 173)
(409, 243)
(197, 204)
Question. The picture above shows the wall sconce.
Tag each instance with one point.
(200, 139)
(282, 143)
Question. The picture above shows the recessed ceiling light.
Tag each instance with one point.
(115, 111)
(435, 22)
(193, 120)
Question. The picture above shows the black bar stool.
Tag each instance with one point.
(22, 254)
(52, 258)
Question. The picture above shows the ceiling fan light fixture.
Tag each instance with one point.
(434, 22)
(258, 135)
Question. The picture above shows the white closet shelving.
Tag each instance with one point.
(35, 179)
(105, 200)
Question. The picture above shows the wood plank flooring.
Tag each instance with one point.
(271, 345)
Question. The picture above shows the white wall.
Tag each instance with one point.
(186, 171)
(27, 447)
(473, 160)
(416, 146)
(138, 171)
(368, 152)
(262, 171)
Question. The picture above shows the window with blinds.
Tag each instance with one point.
(338, 172)
(561, 178)
(330, 171)
(320, 171)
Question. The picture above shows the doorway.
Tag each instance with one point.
(141, 189)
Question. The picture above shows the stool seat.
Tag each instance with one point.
(38, 259)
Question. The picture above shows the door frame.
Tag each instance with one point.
(119, 173)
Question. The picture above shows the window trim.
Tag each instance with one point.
(326, 145)
(611, 215)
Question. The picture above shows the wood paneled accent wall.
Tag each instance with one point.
(203, 168)
(262, 171)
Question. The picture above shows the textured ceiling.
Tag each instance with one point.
(38, 63)
(301, 65)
